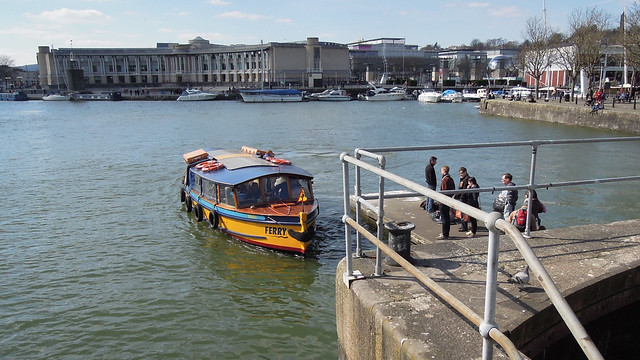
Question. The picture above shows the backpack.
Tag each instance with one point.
(520, 220)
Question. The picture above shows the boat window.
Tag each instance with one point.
(249, 193)
(276, 188)
(226, 195)
(209, 189)
(196, 183)
(300, 189)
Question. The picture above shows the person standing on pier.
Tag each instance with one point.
(510, 196)
(447, 183)
(432, 182)
(464, 182)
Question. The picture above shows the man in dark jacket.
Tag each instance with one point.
(432, 182)
(447, 183)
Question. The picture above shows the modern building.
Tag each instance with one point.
(387, 59)
(199, 63)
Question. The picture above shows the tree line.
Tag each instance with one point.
(590, 31)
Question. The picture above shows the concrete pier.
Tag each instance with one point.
(616, 116)
(396, 317)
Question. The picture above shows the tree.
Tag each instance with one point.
(631, 38)
(536, 54)
(588, 33)
(6, 68)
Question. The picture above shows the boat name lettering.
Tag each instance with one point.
(275, 230)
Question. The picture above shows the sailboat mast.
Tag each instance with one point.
(262, 63)
(55, 68)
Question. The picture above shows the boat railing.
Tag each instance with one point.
(494, 221)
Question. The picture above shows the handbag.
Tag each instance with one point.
(499, 204)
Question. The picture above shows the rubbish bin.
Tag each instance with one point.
(399, 240)
(567, 97)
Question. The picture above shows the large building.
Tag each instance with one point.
(385, 59)
(198, 63)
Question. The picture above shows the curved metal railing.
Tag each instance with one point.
(494, 222)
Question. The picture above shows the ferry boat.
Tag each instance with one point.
(252, 196)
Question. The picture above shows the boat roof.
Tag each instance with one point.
(240, 167)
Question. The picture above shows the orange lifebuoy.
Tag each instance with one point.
(211, 166)
(278, 161)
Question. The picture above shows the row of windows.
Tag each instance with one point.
(267, 190)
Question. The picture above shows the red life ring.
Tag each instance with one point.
(211, 166)
(278, 161)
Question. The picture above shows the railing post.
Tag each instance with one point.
(491, 286)
(358, 210)
(380, 221)
(532, 176)
(347, 208)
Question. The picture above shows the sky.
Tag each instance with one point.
(27, 24)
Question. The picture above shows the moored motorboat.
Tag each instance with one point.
(472, 95)
(382, 94)
(196, 95)
(451, 96)
(14, 96)
(252, 196)
(332, 95)
(271, 95)
(56, 97)
(429, 96)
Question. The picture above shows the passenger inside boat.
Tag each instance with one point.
(249, 193)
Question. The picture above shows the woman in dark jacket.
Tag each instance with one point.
(472, 200)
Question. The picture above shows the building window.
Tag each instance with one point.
(132, 79)
(97, 80)
(109, 79)
(121, 79)
(154, 78)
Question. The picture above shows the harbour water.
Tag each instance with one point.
(98, 258)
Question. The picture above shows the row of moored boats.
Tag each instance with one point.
(293, 95)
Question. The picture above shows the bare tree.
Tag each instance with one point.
(588, 33)
(536, 54)
(631, 38)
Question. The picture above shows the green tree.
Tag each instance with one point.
(6, 68)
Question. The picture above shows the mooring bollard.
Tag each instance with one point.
(399, 240)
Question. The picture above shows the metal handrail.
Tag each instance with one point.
(487, 327)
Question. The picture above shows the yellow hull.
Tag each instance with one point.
(270, 235)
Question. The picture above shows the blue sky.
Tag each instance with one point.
(27, 24)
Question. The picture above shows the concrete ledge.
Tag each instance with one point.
(621, 118)
(395, 317)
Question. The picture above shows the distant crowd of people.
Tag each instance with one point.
(505, 202)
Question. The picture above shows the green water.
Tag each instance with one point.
(98, 259)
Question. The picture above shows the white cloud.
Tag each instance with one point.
(70, 16)
(219, 2)
(240, 15)
(283, 20)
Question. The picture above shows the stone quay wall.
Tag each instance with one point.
(618, 117)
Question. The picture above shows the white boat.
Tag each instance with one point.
(196, 95)
(381, 94)
(470, 95)
(271, 95)
(56, 97)
(332, 95)
(430, 96)
(451, 96)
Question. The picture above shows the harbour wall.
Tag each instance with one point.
(618, 117)
(394, 316)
